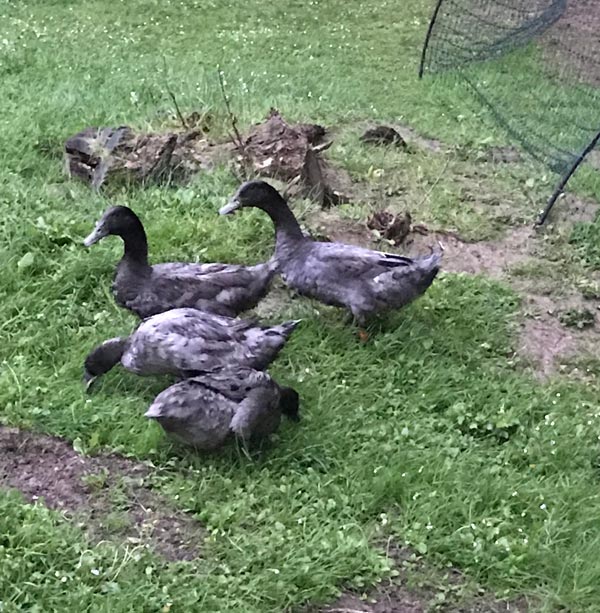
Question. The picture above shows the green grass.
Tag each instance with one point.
(433, 432)
(586, 239)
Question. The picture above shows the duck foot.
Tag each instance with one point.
(360, 323)
(363, 335)
(353, 320)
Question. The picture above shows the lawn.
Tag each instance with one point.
(435, 435)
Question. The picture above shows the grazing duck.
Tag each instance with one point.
(205, 410)
(225, 289)
(362, 280)
(186, 342)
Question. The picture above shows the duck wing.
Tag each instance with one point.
(196, 413)
(224, 289)
(185, 341)
(334, 272)
(352, 261)
(257, 413)
(400, 286)
(234, 382)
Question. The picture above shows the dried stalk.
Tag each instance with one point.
(173, 98)
(239, 141)
(236, 137)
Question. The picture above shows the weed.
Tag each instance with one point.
(96, 481)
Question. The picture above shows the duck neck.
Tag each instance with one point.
(136, 244)
(287, 228)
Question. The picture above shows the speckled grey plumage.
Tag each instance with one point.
(205, 410)
(226, 289)
(187, 341)
(362, 280)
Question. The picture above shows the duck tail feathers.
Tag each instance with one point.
(427, 269)
(285, 329)
(289, 326)
(417, 277)
(273, 264)
(154, 411)
(432, 261)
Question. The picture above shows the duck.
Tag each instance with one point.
(146, 290)
(186, 342)
(363, 281)
(205, 410)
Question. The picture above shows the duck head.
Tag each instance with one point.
(117, 220)
(252, 193)
(101, 359)
(289, 403)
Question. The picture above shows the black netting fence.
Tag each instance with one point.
(534, 64)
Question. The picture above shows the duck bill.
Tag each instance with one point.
(153, 412)
(88, 380)
(232, 206)
(96, 235)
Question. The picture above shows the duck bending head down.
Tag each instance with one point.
(205, 410)
(183, 342)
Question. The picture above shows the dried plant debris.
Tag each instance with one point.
(287, 152)
(394, 228)
(278, 149)
(100, 155)
(578, 318)
(383, 135)
(275, 149)
(292, 153)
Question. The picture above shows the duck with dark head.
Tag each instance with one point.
(362, 280)
(225, 289)
(184, 342)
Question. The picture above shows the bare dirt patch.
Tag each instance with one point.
(571, 209)
(400, 599)
(419, 140)
(551, 333)
(545, 341)
(101, 155)
(106, 493)
(493, 258)
(441, 593)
